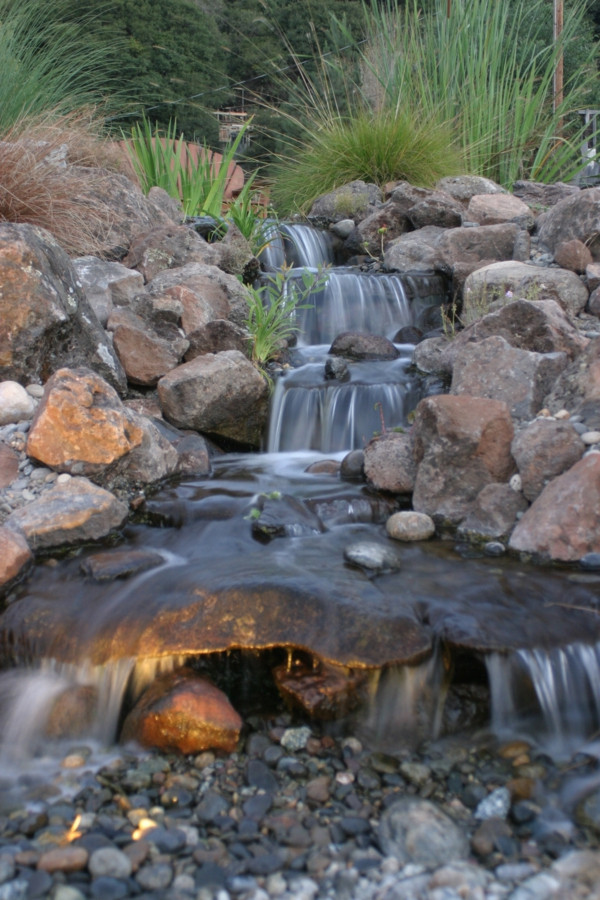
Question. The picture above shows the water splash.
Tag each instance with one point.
(553, 694)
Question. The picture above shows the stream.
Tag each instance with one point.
(261, 564)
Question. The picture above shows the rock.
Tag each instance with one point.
(63, 859)
(146, 352)
(493, 515)
(353, 345)
(106, 284)
(181, 712)
(492, 368)
(495, 805)
(234, 255)
(540, 326)
(521, 281)
(578, 387)
(475, 245)
(416, 831)
(416, 251)
(497, 208)
(564, 521)
(389, 463)
(216, 336)
(109, 862)
(543, 450)
(410, 526)
(355, 200)
(463, 187)
(352, 466)
(69, 513)
(436, 208)
(112, 564)
(573, 255)
(9, 465)
(373, 556)
(16, 405)
(489, 836)
(72, 713)
(15, 556)
(593, 305)
(324, 692)
(461, 444)
(45, 320)
(168, 246)
(576, 217)
(542, 195)
(218, 394)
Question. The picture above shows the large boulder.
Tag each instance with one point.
(461, 445)
(492, 368)
(463, 187)
(563, 523)
(220, 394)
(183, 713)
(168, 246)
(389, 463)
(575, 217)
(106, 284)
(355, 200)
(417, 251)
(81, 427)
(578, 387)
(493, 514)
(474, 245)
(543, 450)
(45, 319)
(506, 280)
(15, 556)
(72, 512)
(494, 209)
(147, 350)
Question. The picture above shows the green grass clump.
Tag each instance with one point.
(373, 146)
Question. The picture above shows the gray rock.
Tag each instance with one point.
(373, 556)
(495, 805)
(417, 831)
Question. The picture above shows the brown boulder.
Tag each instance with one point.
(221, 394)
(543, 450)
(325, 692)
(576, 217)
(494, 209)
(492, 368)
(9, 465)
(460, 245)
(168, 246)
(183, 713)
(461, 444)
(494, 513)
(15, 556)
(564, 521)
(573, 255)
(146, 352)
(389, 463)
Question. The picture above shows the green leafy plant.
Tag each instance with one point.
(271, 318)
(165, 160)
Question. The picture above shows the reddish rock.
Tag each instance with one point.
(69, 513)
(543, 450)
(564, 521)
(389, 463)
(168, 247)
(81, 425)
(183, 713)
(461, 444)
(9, 465)
(327, 692)
(494, 209)
(63, 859)
(15, 555)
(492, 368)
(476, 244)
(146, 353)
(573, 255)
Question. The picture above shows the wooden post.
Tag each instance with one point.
(558, 72)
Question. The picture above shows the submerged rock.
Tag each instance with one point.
(416, 831)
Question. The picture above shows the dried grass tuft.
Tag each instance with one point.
(52, 170)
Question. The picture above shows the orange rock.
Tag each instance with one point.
(184, 713)
(15, 555)
(81, 425)
(63, 859)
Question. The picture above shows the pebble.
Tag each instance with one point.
(495, 805)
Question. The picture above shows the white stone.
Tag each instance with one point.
(410, 526)
(516, 484)
(16, 405)
(110, 862)
(591, 437)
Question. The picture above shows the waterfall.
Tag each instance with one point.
(555, 691)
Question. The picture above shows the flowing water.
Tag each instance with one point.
(256, 568)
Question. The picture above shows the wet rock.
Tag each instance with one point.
(220, 394)
(490, 835)
(493, 209)
(16, 405)
(70, 512)
(564, 521)
(120, 563)
(495, 805)
(183, 713)
(336, 369)
(73, 712)
(353, 345)
(107, 284)
(373, 556)
(417, 831)
(169, 246)
(324, 692)
(576, 217)
(573, 255)
(109, 862)
(45, 320)
(389, 463)
(282, 515)
(352, 466)
(410, 526)
(492, 368)
(193, 456)
(461, 444)
(15, 556)
(543, 450)
(524, 282)
(493, 515)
